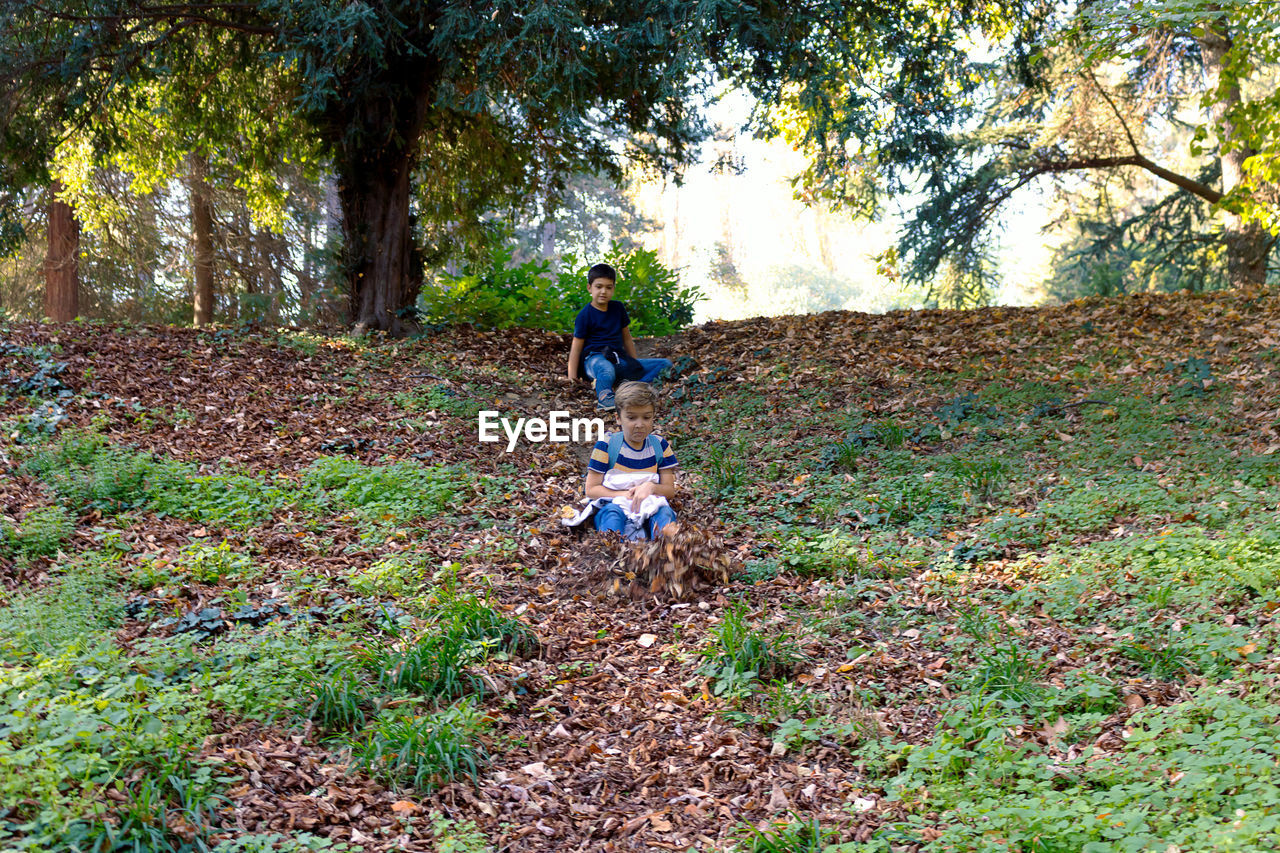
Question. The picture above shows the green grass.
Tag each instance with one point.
(425, 751)
(738, 655)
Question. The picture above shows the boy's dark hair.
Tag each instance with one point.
(601, 271)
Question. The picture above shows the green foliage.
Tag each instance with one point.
(452, 836)
(85, 472)
(77, 604)
(1195, 374)
(739, 655)
(1009, 672)
(1199, 775)
(793, 836)
(435, 667)
(884, 433)
(427, 751)
(498, 294)
(724, 470)
(1083, 692)
(237, 501)
(910, 498)
(339, 699)
(274, 842)
(442, 399)
(397, 575)
(475, 620)
(984, 478)
(1156, 656)
(401, 491)
(214, 564)
(41, 533)
(88, 473)
(832, 553)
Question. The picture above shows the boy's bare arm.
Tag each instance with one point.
(629, 342)
(666, 486)
(596, 487)
(575, 353)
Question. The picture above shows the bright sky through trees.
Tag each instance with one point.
(775, 239)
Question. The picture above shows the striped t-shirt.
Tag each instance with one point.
(630, 460)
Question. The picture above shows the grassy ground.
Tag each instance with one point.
(1004, 580)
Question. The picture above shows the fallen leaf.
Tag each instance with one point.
(405, 807)
(778, 799)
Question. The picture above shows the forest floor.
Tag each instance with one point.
(1001, 579)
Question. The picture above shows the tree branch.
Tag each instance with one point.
(1196, 188)
(1124, 124)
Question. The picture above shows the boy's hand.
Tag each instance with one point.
(642, 491)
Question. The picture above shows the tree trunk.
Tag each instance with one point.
(378, 244)
(1248, 243)
(376, 140)
(61, 263)
(202, 231)
(269, 252)
(549, 239)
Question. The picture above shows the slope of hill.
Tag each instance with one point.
(1002, 580)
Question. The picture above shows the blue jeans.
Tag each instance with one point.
(605, 372)
(611, 517)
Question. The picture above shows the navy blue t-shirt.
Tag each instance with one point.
(601, 330)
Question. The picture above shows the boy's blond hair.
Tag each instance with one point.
(632, 395)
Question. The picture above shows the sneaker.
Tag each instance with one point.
(606, 404)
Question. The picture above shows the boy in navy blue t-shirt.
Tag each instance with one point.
(602, 344)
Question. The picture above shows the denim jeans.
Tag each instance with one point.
(611, 517)
(605, 372)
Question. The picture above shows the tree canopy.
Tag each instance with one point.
(965, 104)
(394, 94)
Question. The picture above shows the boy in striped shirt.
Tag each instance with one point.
(634, 465)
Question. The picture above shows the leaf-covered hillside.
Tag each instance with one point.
(1002, 580)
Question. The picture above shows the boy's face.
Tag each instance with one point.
(636, 423)
(601, 292)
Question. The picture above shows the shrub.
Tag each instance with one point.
(496, 293)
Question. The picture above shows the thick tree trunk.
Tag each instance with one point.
(61, 263)
(383, 269)
(1248, 243)
(202, 232)
(377, 140)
